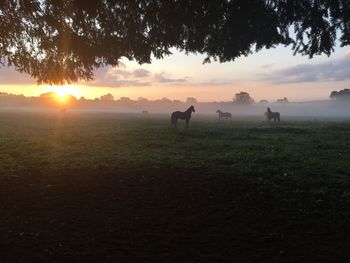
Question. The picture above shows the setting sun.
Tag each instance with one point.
(172, 131)
(63, 92)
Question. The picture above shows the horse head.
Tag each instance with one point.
(192, 108)
(218, 111)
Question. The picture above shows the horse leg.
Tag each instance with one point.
(172, 120)
(187, 121)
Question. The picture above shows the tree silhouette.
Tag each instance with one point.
(191, 100)
(264, 101)
(107, 97)
(343, 94)
(243, 98)
(284, 100)
(63, 41)
(49, 95)
(124, 99)
(142, 99)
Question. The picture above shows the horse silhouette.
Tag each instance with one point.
(186, 115)
(272, 115)
(226, 115)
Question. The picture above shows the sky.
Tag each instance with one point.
(269, 74)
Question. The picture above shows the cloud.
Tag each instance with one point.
(9, 76)
(268, 65)
(141, 73)
(121, 64)
(216, 83)
(336, 70)
(116, 77)
(123, 77)
(164, 78)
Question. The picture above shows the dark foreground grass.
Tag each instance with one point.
(127, 188)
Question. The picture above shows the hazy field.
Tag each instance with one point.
(110, 187)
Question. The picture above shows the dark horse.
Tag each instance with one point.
(182, 116)
(272, 115)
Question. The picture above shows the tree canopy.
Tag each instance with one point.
(284, 100)
(343, 94)
(243, 98)
(58, 41)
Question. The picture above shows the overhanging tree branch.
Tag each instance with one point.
(58, 41)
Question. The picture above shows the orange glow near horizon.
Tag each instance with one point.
(257, 74)
(63, 92)
(258, 90)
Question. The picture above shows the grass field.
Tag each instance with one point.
(104, 187)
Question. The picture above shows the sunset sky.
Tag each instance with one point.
(268, 74)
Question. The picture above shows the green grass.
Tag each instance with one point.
(313, 154)
(53, 142)
(282, 191)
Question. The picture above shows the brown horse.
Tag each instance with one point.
(272, 115)
(182, 116)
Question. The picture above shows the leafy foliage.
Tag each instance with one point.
(107, 97)
(63, 41)
(243, 98)
(284, 100)
(343, 94)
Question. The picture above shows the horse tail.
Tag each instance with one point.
(278, 116)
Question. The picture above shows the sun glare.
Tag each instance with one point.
(64, 92)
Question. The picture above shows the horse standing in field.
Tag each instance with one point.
(182, 116)
(226, 115)
(272, 115)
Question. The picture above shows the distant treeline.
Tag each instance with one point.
(330, 107)
(52, 99)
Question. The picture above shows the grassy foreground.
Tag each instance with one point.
(107, 187)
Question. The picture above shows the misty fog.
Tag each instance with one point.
(326, 108)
